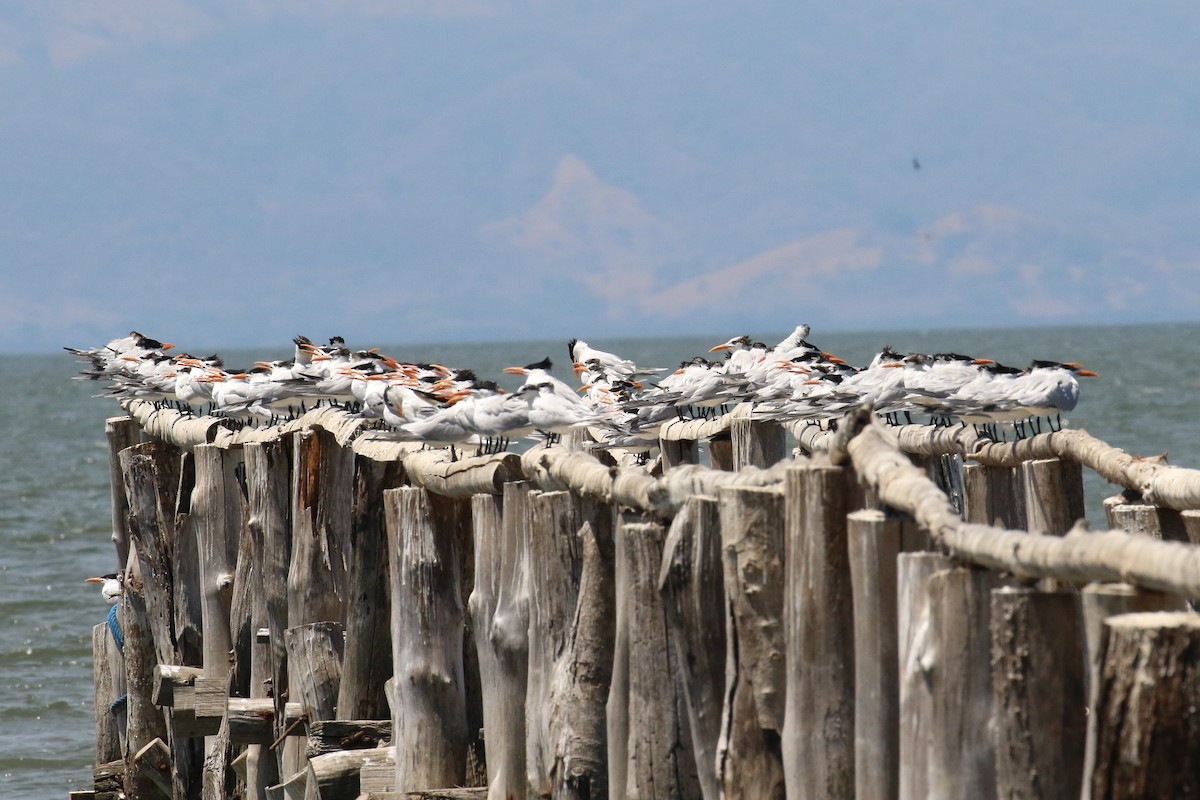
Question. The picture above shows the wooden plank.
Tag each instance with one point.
(873, 543)
(692, 584)
(818, 616)
(427, 640)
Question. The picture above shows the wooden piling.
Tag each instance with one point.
(1039, 679)
(108, 739)
(1053, 490)
(874, 545)
(1148, 742)
(749, 753)
(429, 723)
(367, 664)
(692, 584)
(121, 432)
(144, 720)
(945, 680)
(653, 752)
(757, 443)
(499, 606)
(818, 603)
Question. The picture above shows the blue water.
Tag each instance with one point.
(54, 494)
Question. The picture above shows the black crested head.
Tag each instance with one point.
(337, 341)
(150, 344)
(299, 340)
(543, 364)
(487, 386)
(466, 375)
(571, 349)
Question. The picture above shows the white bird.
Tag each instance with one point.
(111, 586)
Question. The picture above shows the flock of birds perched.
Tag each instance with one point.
(621, 404)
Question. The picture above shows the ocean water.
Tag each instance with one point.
(54, 494)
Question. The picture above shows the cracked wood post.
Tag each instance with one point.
(108, 738)
(994, 496)
(217, 508)
(1053, 491)
(749, 755)
(268, 477)
(1101, 601)
(678, 451)
(570, 646)
(322, 473)
(720, 451)
(757, 443)
(144, 720)
(1145, 519)
(499, 606)
(430, 724)
(650, 753)
(946, 748)
(874, 545)
(692, 584)
(818, 616)
(1038, 674)
(367, 664)
(315, 653)
(1148, 741)
(121, 432)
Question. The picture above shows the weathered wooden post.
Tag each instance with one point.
(1038, 671)
(121, 432)
(874, 545)
(946, 748)
(144, 720)
(367, 664)
(650, 754)
(217, 508)
(720, 451)
(994, 496)
(692, 584)
(570, 646)
(1148, 741)
(429, 725)
(322, 492)
(818, 603)
(749, 753)
(499, 606)
(757, 443)
(1053, 491)
(1101, 601)
(108, 739)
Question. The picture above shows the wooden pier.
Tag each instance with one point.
(313, 611)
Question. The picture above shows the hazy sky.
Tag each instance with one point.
(241, 171)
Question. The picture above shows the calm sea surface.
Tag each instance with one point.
(54, 494)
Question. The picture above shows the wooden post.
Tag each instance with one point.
(818, 615)
(1190, 520)
(570, 648)
(108, 739)
(749, 754)
(185, 570)
(1144, 519)
(1053, 491)
(499, 605)
(321, 496)
(720, 451)
(121, 432)
(427, 640)
(757, 443)
(1148, 742)
(945, 679)
(657, 751)
(1038, 672)
(1101, 601)
(874, 545)
(218, 511)
(268, 477)
(368, 622)
(692, 584)
(315, 654)
(145, 721)
(678, 451)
